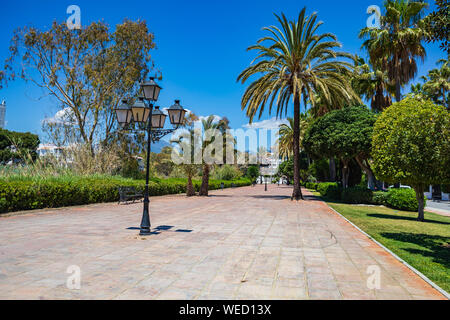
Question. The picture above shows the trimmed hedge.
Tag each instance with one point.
(53, 192)
(357, 195)
(403, 199)
(330, 190)
(311, 185)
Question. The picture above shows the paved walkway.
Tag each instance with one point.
(237, 244)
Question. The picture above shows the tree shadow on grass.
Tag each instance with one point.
(397, 217)
(436, 247)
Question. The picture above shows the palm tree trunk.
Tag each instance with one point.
(190, 188)
(297, 193)
(205, 181)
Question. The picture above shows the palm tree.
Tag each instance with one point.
(190, 142)
(210, 124)
(187, 143)
(296, 63)
(286, 136)
(438, 84)
(373, 85)
(395, 47)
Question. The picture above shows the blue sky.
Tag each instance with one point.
(201, 46)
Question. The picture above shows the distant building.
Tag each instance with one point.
(49, 149)
(2, 114)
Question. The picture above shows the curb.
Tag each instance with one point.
(431, 283)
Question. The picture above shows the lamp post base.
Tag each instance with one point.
(145, 232)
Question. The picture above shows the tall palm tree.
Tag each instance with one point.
(395, 47)
(296, 63)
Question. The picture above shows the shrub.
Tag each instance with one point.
(330, 190)
(357, 194)
(379, 198)
(311, 185)
(402, 199)
(227, 172)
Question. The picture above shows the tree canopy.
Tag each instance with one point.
(87, 71)
(344, 133)
(411, 145)
(17, 145)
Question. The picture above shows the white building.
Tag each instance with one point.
(49, 149)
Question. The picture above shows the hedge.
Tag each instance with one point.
(311, 185)
(357, 195)
(403, 199)
(54, 193)
(330, 190)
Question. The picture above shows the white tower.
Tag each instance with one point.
(2, 114)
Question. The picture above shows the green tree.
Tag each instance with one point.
(252, 172)
(395, 47)
(17, 145)
(87, 71)
(345, 134)
(437, 25)
(296, 63)
(411, 145)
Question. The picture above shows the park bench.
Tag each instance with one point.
(129, 194)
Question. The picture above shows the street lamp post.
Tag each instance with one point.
(154, 118)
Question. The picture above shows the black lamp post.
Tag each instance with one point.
(141, 112)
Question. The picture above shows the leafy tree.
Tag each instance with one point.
(162, 161)
(297, 63)
(395, 47)
(437, 25)
(252, 172)
(411, 144)
(345, 134)
(87, 71)
(17, 145)
(286, 168)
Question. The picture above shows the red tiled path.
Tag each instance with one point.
(244, 243)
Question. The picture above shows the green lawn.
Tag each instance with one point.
(424, 245)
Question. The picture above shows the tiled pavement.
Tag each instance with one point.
(236, 244)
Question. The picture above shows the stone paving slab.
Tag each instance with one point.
(241, 243)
